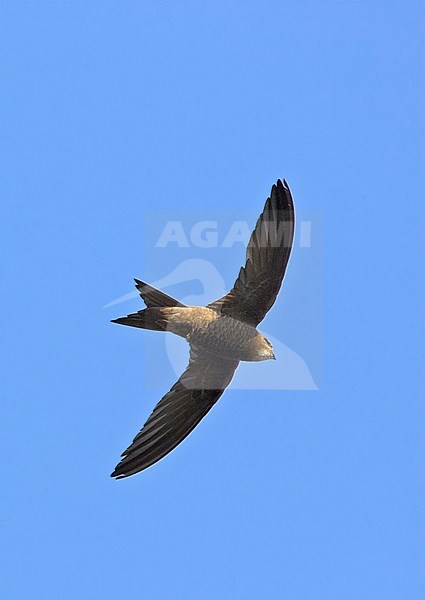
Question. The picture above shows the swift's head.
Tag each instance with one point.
(261, 349)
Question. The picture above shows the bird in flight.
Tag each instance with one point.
(220, 334)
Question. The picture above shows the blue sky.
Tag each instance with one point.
(118, 116)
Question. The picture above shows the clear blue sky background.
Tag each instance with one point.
(112, 108)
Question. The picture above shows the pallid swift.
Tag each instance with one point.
(220, 334)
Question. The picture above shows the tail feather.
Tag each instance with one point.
(149, 318)
(153, 297)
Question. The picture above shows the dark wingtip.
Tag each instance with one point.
(116, 471)
(280, 186)
(117, 475)
(282, 183)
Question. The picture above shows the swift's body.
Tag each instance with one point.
(220, 334)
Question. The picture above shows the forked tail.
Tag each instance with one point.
(155, 316)
(149, 318)
(153, 297)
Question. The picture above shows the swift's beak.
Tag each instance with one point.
(273, 357)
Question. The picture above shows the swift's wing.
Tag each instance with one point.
(178, 413)
(267, 255)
